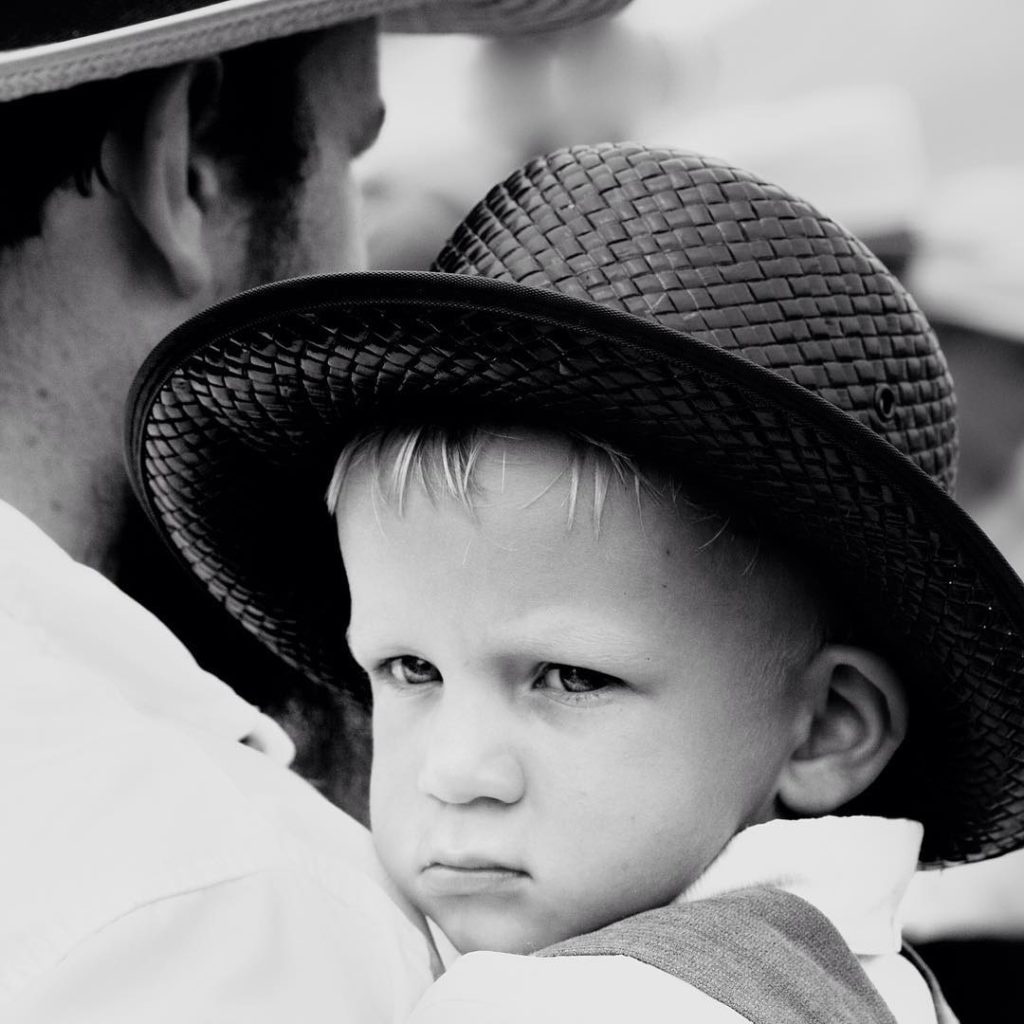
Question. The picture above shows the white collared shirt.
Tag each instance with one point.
(854, 870)
(152, 867)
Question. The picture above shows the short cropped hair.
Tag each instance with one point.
(54, 140)
(442, 460)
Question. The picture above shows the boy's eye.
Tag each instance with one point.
(570, 679)
(412, 671)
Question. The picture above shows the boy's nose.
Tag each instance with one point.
(469, 754)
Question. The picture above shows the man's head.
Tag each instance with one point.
(160, 156)
(584, 682)
(224, 172)
(255, 110)
(136, 202)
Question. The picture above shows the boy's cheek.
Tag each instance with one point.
(393, 829)
(392, 776)
(393, 725)
(394, 783)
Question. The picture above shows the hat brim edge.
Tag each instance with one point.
(217, 27)
(418, 291)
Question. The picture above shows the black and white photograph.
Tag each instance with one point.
(511, 511)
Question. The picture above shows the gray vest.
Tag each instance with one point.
(769, 955)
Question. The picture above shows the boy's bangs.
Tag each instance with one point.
(441, 460)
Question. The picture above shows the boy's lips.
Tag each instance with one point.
(470, 876)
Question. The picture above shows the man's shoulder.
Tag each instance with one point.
(125, 788)
(112, 809)
(119, 816)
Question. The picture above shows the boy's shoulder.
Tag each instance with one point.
(794, 920)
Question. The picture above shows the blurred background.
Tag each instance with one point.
(896, 117)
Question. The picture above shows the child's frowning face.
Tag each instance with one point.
(569, 722)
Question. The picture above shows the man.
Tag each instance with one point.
(158, 861)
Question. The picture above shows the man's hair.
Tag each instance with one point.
(258, 122)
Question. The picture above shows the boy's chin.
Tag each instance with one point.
(501, 934)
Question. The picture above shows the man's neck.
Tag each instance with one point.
(70, 340)
(67, 477)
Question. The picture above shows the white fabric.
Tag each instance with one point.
(854, 870)
(152, 867)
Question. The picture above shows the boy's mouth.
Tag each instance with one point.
(470, 876)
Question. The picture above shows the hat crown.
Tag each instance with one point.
(713, 251)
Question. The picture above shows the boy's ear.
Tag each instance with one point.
(858, 719)
(159, 171)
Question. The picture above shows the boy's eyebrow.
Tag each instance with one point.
(584, 640)
(597, 638)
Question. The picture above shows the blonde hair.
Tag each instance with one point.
(442, 461)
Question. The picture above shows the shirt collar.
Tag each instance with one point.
(855, 870)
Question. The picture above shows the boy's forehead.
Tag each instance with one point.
(531, 515)
(515, 562)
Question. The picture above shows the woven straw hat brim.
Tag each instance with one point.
(237, 418)
(46, 49)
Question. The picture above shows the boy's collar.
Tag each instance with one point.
(855, 870)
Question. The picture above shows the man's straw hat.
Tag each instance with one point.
(678, 307)
(47, 45)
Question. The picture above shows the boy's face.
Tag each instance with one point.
(569, 723)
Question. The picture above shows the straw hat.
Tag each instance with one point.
(681, 308)
(47, 45)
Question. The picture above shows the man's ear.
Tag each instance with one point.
(858, 718)
(167, 183)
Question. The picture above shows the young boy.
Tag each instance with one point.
(585, 685)
(642, 600)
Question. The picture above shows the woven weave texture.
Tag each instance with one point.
(47, 45)
(710, 250)
(239, 440)
(45, 22)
